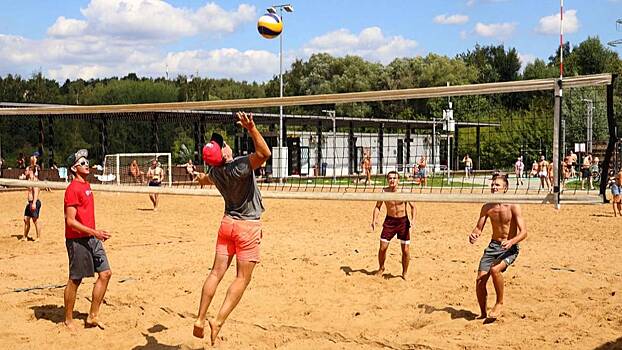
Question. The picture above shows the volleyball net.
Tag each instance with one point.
(445, 142)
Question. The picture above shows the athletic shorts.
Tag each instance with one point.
(585, 173)
(542, 174)
(32, 214)
(154, 183)
(239, 237)
(494, 254)
(86, 256)
(615, 190)
(396, 226)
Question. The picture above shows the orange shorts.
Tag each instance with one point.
(239, 237)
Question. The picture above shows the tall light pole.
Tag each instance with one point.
(272, 10)
(590, 109)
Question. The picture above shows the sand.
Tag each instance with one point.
(314, 288)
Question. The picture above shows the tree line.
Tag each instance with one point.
(523, 116)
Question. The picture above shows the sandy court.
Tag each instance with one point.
(314, 289)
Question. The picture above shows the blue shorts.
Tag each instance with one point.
(615, 189)
(30, 213)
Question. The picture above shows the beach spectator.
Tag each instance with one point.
(519, 168)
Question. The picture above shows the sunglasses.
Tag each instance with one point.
(83, 162)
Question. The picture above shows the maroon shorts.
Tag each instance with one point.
(396, 226)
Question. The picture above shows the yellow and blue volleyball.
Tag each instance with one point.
(269, 26)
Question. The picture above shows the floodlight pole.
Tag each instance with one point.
(288, 8)
(590, 109)
(331, 114)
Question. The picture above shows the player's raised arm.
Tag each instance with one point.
(262, 151)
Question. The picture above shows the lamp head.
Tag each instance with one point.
(288, 8)
(271, 10)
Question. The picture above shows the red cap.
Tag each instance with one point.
(212, 154)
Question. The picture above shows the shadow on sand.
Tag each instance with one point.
(55, 313)
(348, 271)
(612, 345)
(152, 342)
(454, 313)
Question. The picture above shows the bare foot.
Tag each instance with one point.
(483, 316)
(379, 272)
(92, 322)
(70, 325)
(404, 277)
(496, 311)
(215, 330)
(199, 329)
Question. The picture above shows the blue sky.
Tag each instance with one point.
(218, 39)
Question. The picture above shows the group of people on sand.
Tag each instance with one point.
(240, 232)
(508, 229)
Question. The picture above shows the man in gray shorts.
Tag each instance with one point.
(84, 243)
(508, 229)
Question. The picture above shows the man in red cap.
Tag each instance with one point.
(240, 228)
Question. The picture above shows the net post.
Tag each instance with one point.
(557, 142)
(170, 170)
(118, 167)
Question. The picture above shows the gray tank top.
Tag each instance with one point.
(236, 183)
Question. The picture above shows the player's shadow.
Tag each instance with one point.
(145, 209)
(348, 271)
(55, 313)
(18, 237)
(612, 345)
(454, 313)
(152, 342)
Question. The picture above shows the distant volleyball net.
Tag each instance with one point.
(445, 152)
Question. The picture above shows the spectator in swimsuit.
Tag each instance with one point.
(135, 172)
(395, 223)
(190, 170)
(154, 174)
(508, 229)
(616, 192)
(543, 167)
(585, 171)
(422, 171)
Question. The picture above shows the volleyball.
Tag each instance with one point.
(269, 26)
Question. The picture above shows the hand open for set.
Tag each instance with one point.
(245, 120)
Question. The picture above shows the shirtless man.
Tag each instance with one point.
(543, 167)
(508, 229)
(519, 168)
(367, 167)
(31, 212)
(155, 174)
(422, 171)
(585, 171)
(396, 222)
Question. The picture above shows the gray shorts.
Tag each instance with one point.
(494, 254)
(86, 256)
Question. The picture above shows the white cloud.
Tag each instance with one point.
(66, 27)
(525, 59)
(496, 30)
(370, 44)
(117, 37)
(550, 24)
(451, 19)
